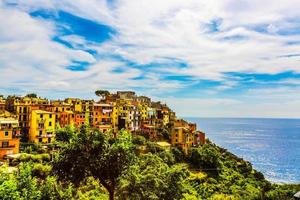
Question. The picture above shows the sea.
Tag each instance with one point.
(271, 145)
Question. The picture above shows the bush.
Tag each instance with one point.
(41, 171)
(178, 154)
(39, 158)
(139, 140)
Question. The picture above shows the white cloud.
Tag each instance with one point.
(150, 31)
(28, 52)
(155, 31)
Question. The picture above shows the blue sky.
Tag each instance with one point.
(209, 59)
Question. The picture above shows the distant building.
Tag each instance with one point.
(38, 118)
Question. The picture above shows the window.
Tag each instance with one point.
(5, 144)
(49, 140)
(50, 116)
(41, 115)
(50, 123)
(40, 140)
(6, 133)
(40, 133)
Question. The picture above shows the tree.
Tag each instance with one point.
(92, 153)
(205, 157)
(31, 95)
(150, 178)
(65, 134)
(102, 93)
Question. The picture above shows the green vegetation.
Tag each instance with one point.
(102, 93)
(89, 164)
(31, 95)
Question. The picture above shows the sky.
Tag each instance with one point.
(229, 58)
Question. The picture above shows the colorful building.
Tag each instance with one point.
(2, 104)
(9, 132)
(183, 135)
(66, 118)
(42, 127)
(102, 116)
(38, 118)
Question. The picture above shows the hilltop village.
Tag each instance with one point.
(35, 120)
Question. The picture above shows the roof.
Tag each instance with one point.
(13, 156)
(148, 126)
(297, 195)
(42, 112)
(8, 121)
(103, 104)
(163, 144)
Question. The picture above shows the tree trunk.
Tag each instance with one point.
(111, 195)
(110, 189)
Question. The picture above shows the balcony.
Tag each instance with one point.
(45, 136)
(7, 147)
(105, 123)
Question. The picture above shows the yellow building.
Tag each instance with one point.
(166, 115)
(143, 108)
(42, 127)
(114, 117)
(2, 104)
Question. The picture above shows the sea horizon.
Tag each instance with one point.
(272, 148)
(189, 117)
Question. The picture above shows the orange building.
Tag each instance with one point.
(66, 118)
(80, 119)
(183, 134)
(9, 130)
(149, 131)
(102, 116)
(199, 138)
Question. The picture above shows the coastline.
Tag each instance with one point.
(258, 140)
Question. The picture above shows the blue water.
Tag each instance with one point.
(271, 145)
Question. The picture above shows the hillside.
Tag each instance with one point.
(89, 164)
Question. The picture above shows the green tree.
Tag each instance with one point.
(102, 93)
(150, 178)
(205, 157)
(52, 190)
(27, 184)
(92, 153)
(31, 95)
(65, 134)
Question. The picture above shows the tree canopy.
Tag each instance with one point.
(102, 93)
(93, 165)
(92, 153)
(31, 95)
